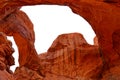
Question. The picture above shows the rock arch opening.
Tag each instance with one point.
(98, 13)
(52, 20)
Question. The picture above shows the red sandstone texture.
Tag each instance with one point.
(6, 58)
(69, 57)
(18, 25)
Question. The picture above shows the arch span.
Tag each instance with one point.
(52, 21)
(104, 18)
(100, 16)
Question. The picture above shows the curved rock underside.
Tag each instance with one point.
(70, 57)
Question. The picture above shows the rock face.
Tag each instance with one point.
(96, 41)
(103, 16)
(18, 25)
(70, 57)
(24, 73)
(6, 58)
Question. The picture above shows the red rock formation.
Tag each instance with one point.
(71, 57)
(103, 16)
(4, 75)
(6, 58)
(96, 41)
(24, 73)
(99, 13)
(18, 25)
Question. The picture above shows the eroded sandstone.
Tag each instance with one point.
(6, 58)
(18, 25)
(103, 16)
(69, 58)
(72, 57)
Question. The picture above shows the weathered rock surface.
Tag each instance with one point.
(18, 25)
(4, 75)
(6, 58)
(66, 59)
(24, 73)
(103, 16)
(71, 57)
(96, 41)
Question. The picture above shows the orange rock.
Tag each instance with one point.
(103, 16)
(16, 23)
(112, 74)
(96, 41)
(19, 26)
(4, 75)
(24, 73)
(72, 57)
(6, 58)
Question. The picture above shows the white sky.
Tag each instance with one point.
(52, 20)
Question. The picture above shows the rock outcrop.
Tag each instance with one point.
(6, 58)
(69, 58)
(103, 16)
(18, 25)
(24, 73)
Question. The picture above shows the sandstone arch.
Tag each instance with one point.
(98, 13)
(104, 17)
(18, 25)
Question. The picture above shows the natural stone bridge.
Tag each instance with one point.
(102, 15)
